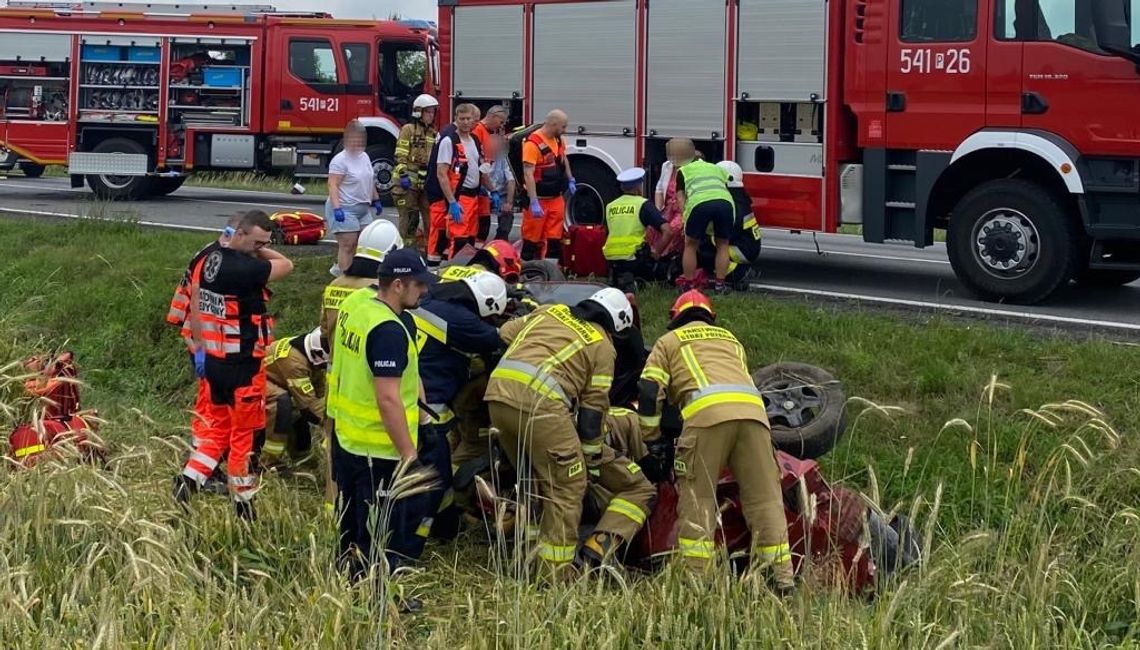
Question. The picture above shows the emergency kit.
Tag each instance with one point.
(297, 228)
(57, 419)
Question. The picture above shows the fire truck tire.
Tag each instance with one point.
(1105, 277)
(32, 170)
(1013, 241)
(597, 186)
(110, 187)
(164, 186)
(806, 405)
(383, 159)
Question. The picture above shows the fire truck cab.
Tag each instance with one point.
(134, 97)
(1003, 123)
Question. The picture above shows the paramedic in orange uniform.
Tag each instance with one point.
(486, 131)
(546, 174)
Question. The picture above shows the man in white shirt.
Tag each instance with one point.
(454, 188)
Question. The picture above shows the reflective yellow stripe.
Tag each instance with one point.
(601, 381)
(730, 397)
(304, 384)
(562, 356)
(273, 448)
(649, 421)
(425, 527)
(627, 509)
(656, 374)
(527, 380)
(28, 451)
(555, 553)
(696, 548)
(523, 332)
(694, 366)
(777, 554)
(619, 411)
(591, 449)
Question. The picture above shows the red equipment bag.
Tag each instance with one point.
(582, 251)
(56, 386)
(297, 228)
(28, 443)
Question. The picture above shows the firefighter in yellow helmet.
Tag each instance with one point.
(548, 396)
(413, 149)
(294, 395)
(703, 369)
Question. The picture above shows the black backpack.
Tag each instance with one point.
(514, 152)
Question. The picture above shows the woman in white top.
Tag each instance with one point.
(352, 195)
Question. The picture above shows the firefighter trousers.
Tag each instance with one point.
(549, 443)
(471, 422)
(744, 446)
(278, 422)
(441, 518)
(235, 411)
(629, 495)
(414, 210)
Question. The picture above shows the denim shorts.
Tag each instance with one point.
(356, 217)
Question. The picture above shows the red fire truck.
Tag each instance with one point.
(132, 97)
(1004, 122)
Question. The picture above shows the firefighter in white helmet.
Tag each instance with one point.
(294, 395)
(744, 239)
(548, 397)
(413, 148)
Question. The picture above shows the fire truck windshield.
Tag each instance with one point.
(1101, 26)
(403, 71)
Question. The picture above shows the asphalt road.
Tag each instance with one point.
(895, 276)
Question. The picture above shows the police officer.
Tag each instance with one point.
(413, 148)
(559, 363)
(373, 399)
(294, 394)
(743, 241)
(627, 218)
(452, 329)
(703, 369)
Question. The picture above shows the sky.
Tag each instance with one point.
(379, 9)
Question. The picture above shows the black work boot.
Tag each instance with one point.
(598, 548)
(184, 487)
(245, 511)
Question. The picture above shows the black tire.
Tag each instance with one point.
(120, 188)
(1105, 277)
(597, 186)
(541, 271)
(807, 407)
(163, 186)
(32, 170)
(383, 159)
(1014, 223)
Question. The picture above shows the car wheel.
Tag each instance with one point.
(807, 408)
(541, 271)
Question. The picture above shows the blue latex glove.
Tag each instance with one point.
(496, 201)
(338, 214)
(378, 206)
(405, 182)
(572, 187)
(536, 209)
(200, 362)
(456, 212)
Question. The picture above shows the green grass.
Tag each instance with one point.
(1029, 511)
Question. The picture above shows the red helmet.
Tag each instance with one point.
(691, 299)
(506, 257)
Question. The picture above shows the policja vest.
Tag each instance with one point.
(352, 393)
(626, 232)
(704, 182)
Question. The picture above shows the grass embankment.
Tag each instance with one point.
(1029, 513)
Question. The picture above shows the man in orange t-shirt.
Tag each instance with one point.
(546, 175)
(485, 131)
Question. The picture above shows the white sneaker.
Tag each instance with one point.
(335, 270)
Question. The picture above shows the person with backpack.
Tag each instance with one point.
(453, 188)
(547, 176)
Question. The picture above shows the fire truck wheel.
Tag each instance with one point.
(383, 165)
(806, 405)
(108, 186)
(31, 169)
(1012, 240)
(164, 186)
(597, 186)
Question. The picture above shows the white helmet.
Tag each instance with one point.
(617, 305)
(422, 102)
(735, 173)
(377, 240)
(315, 349)
(490, 293)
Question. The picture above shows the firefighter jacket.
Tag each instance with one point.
(704, 371)
(413, 149)
(623, 433)
(335, 292)
(288, 369)
(448, 335)
(178, 314)
(554, 363)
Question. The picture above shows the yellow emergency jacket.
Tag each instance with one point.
(336, 291)
(287, 370)
(624, 230)
(413, 151)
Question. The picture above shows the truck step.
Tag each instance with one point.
(902, 168)
(901, 205)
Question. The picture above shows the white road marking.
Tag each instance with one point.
(152, 224)
(982, 311)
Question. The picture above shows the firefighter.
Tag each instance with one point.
(373, 396)
(628, 217)
(743, 241)
(454, 185)
(294, 394)
(452, 328)
(706, 205)
(703, 369)
(546, 176)
(232, 328)
(413, 149)
(488, 131)
(498, 257)
(559, 359)
(376, 241)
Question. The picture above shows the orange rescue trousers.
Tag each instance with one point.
(542, 236)
(445, 237)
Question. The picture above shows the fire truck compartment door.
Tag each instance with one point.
(782, 50)
(125, 41)
(595, 86)
(26, 47)
(685, 86)
(487, 54)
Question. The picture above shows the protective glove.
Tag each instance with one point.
(536, 209)
(405, 182)
(456, 212)
(200, 362)
(338, 214)
(572, 187)
(496, 201)
(378, 206)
